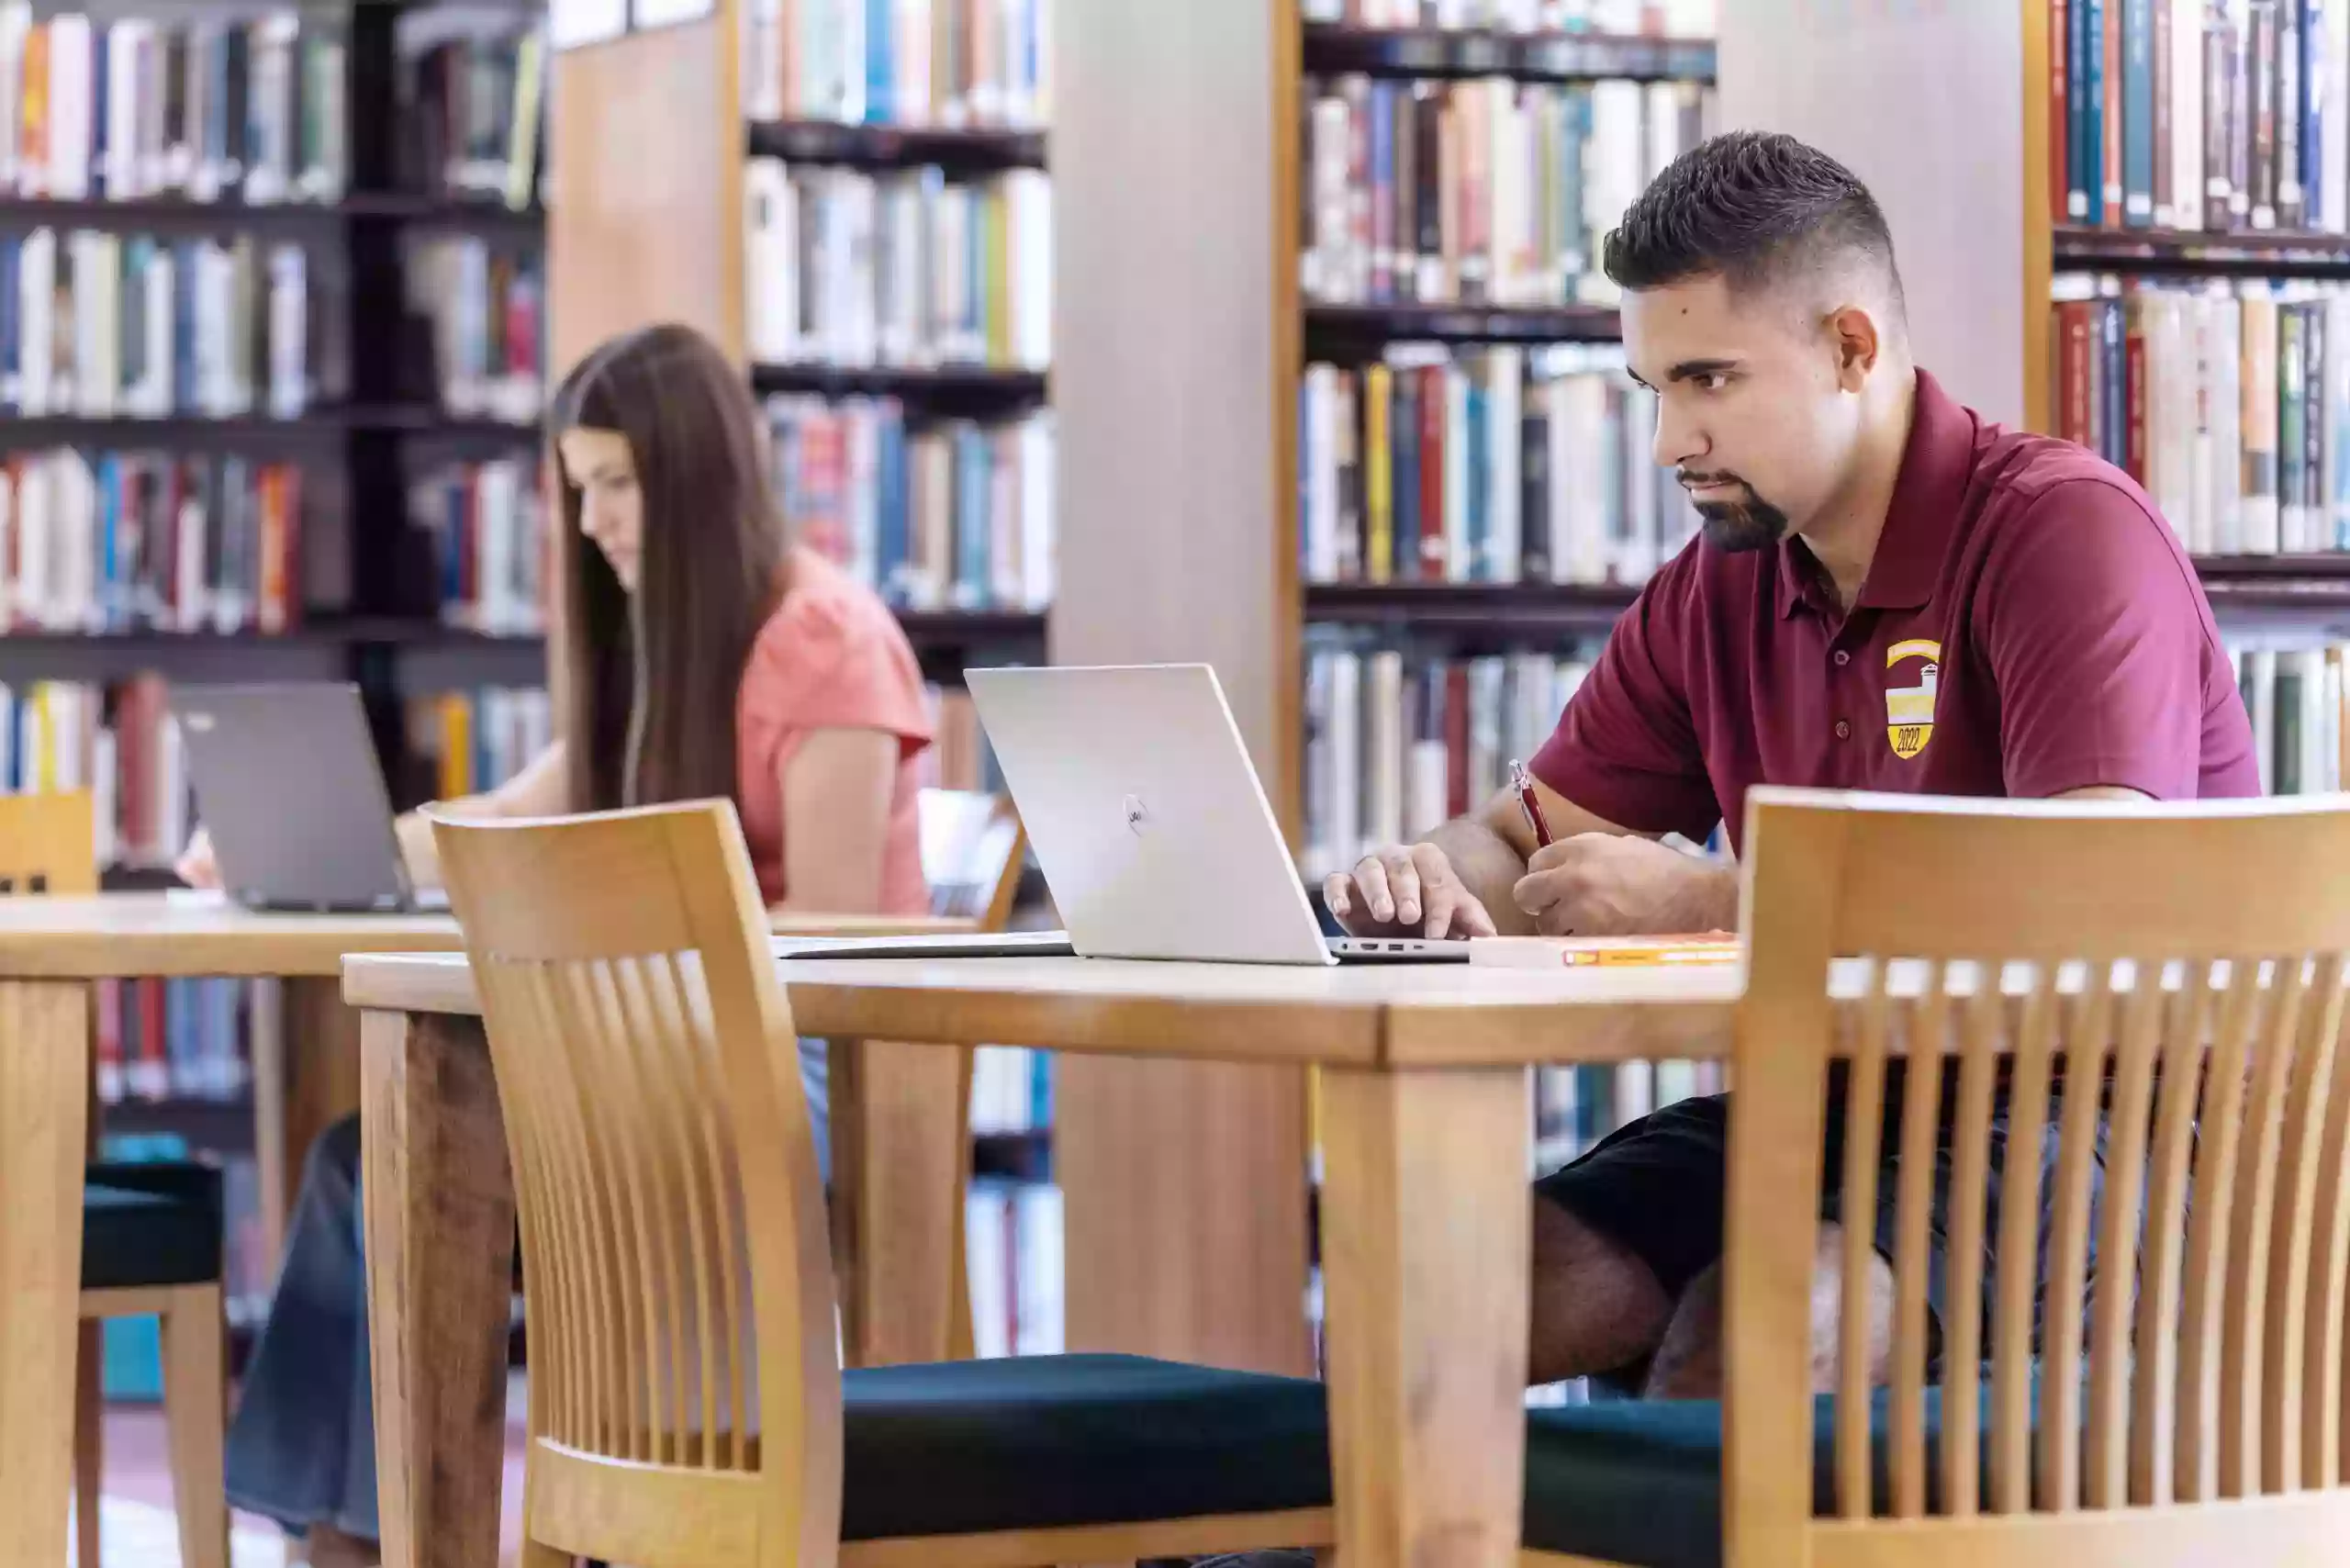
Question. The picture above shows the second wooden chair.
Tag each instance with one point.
(686, 1401)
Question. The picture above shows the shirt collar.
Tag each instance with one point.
(1935, 465)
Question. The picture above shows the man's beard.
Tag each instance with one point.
(1735, 527)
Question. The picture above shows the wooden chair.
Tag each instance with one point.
(973, 848)
(686, 1402)
(2186, 1399)
(151, 1244)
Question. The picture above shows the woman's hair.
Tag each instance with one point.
(649, 708)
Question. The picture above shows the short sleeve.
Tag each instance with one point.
(832, 663)
(1626, 748)
(2098, 641)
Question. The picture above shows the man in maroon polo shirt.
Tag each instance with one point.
(1889, 593)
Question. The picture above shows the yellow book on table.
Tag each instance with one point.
(1607, 952)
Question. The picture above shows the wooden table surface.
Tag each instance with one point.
(1382, 1015)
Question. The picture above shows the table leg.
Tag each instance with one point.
(901, 1155)
(1426, 1254)
(439, 1202)
(305, 1078)
(44, 1110)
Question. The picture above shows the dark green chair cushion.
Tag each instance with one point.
(1044, 1441)
(1051, 1440)
(1640, 1482)
(150, 1225)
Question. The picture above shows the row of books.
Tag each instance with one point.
(107, 541)
(466, 742)
(2295, 696)
(952, 63)
(1496, 465)
(1396, 745)
(471, 106)
(2230, 403)
(951, 514)
(1486, 192)
(1013, 1254)
(106, 325)
(484, 306)
(906, 268)
(210, 109)
(119, 744)
(2221, 114)
(1672, 18)
(1011, 1090)
(1396, 742)
(1575, 1107)
(174, 1039)
(487, 521)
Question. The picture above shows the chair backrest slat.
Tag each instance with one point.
(2322, 1447)
(2156, 1373)
(2095, 1051)
(2210, 1226)
(1969, 1192)
(1927, 1038)
(2241, 1388)
(48, 843)
(2284, 1354)
(1857, 1259)
(672, 1219)
(2014, 1352)
(2106, 1461)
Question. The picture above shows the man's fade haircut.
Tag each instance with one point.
(1756, 207)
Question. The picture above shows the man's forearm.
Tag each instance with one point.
(1489, 866)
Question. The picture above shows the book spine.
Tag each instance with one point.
(2291, 439)
(2134, 389)
(2262, 52)
(2258, 381)
(2068, 190)
(2113, 96)
(1379, 540)
(2138, 113)
(2290, 61)
(2166, 117)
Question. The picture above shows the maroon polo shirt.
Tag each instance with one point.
(2029, 625)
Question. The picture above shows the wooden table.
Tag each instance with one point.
(1425, 1200)
(50, 949)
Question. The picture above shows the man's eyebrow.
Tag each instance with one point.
(1689, 369)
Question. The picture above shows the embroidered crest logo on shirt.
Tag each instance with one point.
(1909, 710)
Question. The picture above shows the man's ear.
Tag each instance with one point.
(1853, 332)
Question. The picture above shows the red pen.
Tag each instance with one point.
(1525, 799)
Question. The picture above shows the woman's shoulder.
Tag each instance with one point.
(825, 615)
(832, 646)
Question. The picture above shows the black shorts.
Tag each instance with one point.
(1656, 1187)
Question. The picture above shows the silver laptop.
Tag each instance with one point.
(288, 785)
(1150, 825)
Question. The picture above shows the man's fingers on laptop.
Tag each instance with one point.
(1403, 883)
(1370, 879)
(1336, 893)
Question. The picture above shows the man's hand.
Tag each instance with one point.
(1406, 890)
(1601, 884)
(195, 866)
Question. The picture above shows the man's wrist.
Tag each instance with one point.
(1714, 904)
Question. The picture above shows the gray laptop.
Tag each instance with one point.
(289, 787)
(1150, 825)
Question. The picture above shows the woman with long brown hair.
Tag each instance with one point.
(706, 656)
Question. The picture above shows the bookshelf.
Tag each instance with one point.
(188, 503)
